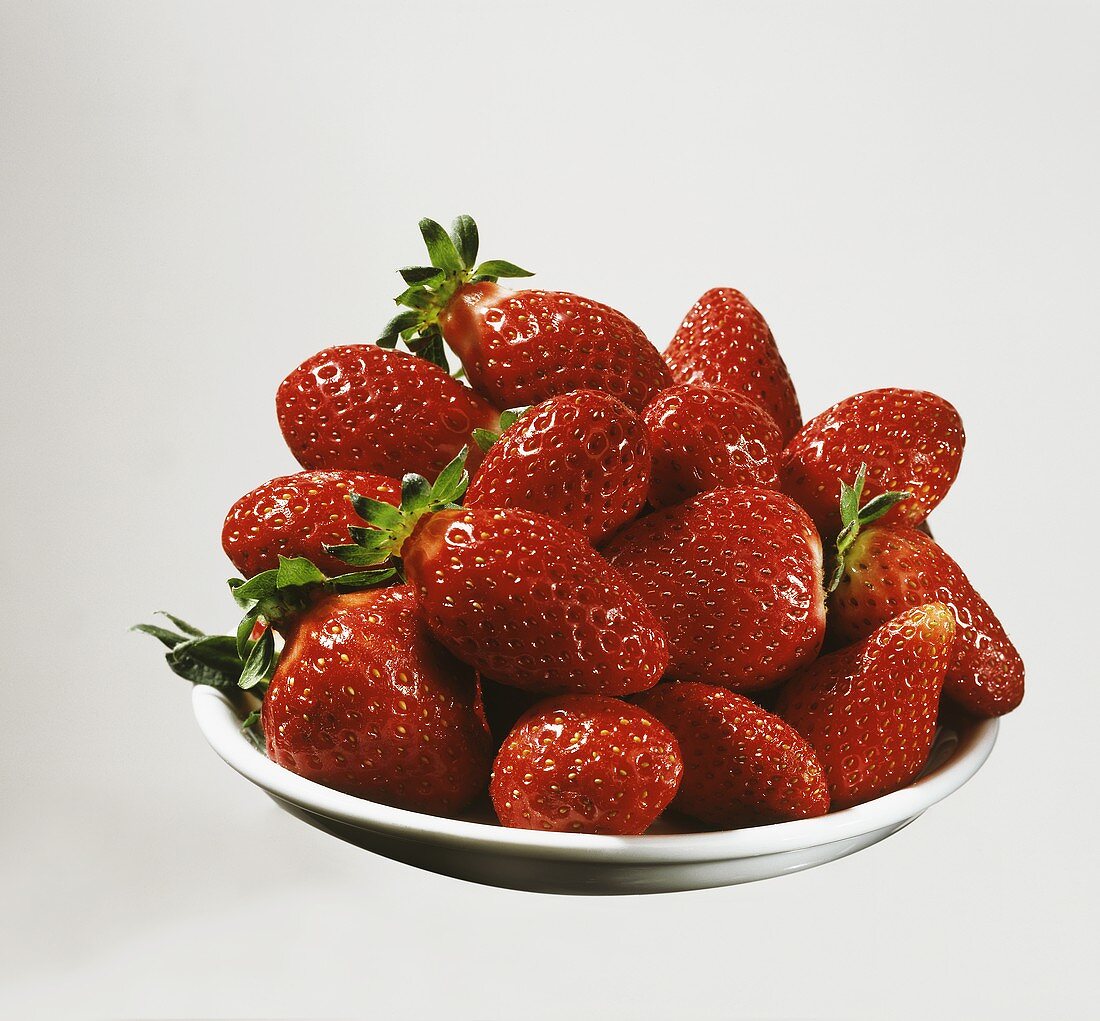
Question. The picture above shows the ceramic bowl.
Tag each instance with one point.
(663, 861)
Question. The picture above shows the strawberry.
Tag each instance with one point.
(364, 408)
(724, 341)
(521, 598)
(869, 710)
(360, 699)
(891, 567)
(910, 440)
(585, 764)
(296, 515)
(708, 438)
(518, 347)
(364, 700)
(735, 578)
(582, 458)
(743, 766)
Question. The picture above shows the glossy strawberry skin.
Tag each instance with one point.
(891, 568)
(296, 516)
(910, 440)
(529, 603)
(364, 408)
(869, 710)
(364, 701)
(735, 578)
(708, 438)
(743, 766)
(724, 341)
(523, 347)
(585, 764)
(582, 458)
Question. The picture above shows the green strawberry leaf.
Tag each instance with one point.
(426, 275)
(441, 249)
(353, 582)
(495, 268)
(485, 438)
(377, 512)
(297, 572)
(464, 233)
(356, 556)
(451, 483)
(396, 326)
(260, 664)
(244, 635)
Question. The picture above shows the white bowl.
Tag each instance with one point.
(663, 862)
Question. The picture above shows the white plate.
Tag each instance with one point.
(482, 852)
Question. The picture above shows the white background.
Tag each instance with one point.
(196, 196)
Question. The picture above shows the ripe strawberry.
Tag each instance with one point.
(910, 440)
(708, 438)
(725, 342)
(582, 458)
(743, 766)
(296, 516)
(364, 701)
(890, 567)
(360, 699)
(518, 596)
(735, 578)
(519, 347)
(869, 710)
(585, 764)
(363, 408)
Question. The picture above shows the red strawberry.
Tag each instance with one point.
(360, 699)
(582, 458)
(296, 516)
(363, 408)
(520, 597)
(519, 347)
(725, 342)
(708, 438)
(743, 766)
(891, 567)
(910, 440)
(869, 710)
(735, 578)
(364, 701)
(585, 764)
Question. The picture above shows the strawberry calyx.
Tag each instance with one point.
(391, 526)
(271, 601)
(430, 289)
(853, 517)
(485, 438)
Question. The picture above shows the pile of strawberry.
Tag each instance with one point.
(590, 580)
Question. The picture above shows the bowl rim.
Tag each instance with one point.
(221, 726)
